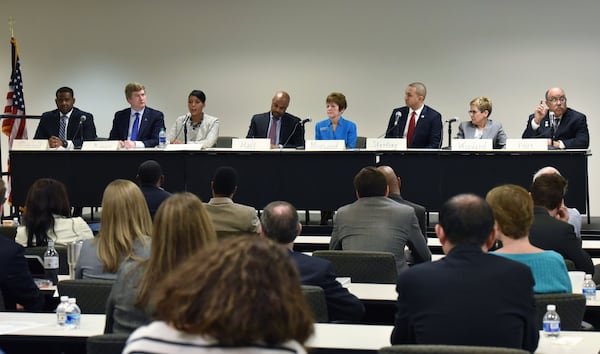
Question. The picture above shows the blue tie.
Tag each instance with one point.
(134, 129)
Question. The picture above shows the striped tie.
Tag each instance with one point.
(62, 128)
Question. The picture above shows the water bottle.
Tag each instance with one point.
(61, 310)
(551, 322)
(73, 314)
(162, 138)
(589, 288)
(16, 221)
(51, 263)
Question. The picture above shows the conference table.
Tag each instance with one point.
(311, 180)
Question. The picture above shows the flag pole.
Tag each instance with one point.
(11, 22)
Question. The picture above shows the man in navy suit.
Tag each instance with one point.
(568, 129)
(421, 125)
(279, 222)
(469, 297)
(284, 129)
(77, 125)
(150, 178)
(139, 125)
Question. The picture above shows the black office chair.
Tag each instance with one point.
(224, 142)
(112, 343)
(570, 308)
(315, 297)
(91, 294)
(361, 142)
(63, 264)
(447, 349)
(362, 266)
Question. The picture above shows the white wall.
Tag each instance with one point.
(240, 52)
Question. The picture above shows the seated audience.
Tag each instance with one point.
(229, 218)
(181, 228)
(480, 126)
(513, 211)
(469, 297)
(279, 222)
(150, 179)
(241, 295)
(123, 236)
(195, 127)
(336, 127)
(47, 217)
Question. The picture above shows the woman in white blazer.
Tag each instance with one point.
(480, 126)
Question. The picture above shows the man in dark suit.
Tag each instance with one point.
(469, 297)
(77, 125)
(150, 178)
(550, 230)
(421, 125)
(568, 129)
(284, 129)
(139, 125)
(279, 222)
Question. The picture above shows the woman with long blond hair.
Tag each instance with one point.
(124, 233)
(181, 227)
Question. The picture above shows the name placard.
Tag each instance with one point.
(102, 145)
(184, 147)
(325, 145)
(527, 144)
(29, 145)
(256, 144)
(386, 144)
(472, 144)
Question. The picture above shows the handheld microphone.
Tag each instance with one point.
(397, 116)
(77, 143)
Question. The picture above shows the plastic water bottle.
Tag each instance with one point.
(551, 322)
(589, 288)
(15, 221)
(162, 138)
(51, 263)
(73, 314)
(61, 310)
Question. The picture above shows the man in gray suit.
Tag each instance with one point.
(376, 223)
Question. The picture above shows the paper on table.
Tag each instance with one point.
(14, 326)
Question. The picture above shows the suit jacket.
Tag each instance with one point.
(16, 283)
(379, 224)
(154, 197)
(428, 131)
(419, 211)
(551, 234)
(492, 130)
(152, 122)
(467, 298)
(341, 305)
(50, 122)
(259, 128)
(572, 130)
(231, 219)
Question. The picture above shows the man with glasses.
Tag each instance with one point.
(564, 127)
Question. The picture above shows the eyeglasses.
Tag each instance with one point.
(562, 99)
(473, 112)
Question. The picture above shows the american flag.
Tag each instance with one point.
(15, 128)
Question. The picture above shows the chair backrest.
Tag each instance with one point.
(362, 266)
(224, 141)
(112, 343)
(63, 263)
(570, 308)
(570, 265)
(361, 142)
(10, 232)
(447, 349)
(315, 296)
(91, 294)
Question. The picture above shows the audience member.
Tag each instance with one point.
(284, 129)
(377, 223)
(229, 218)
(565, 128)
(279, 222)
(420, 124)
(47, 217)
(336, 127)
(150, 178)
(181, 227)
(550, 231)
(480, 126)
(66, 126)
(513, 211)
(139, 125)
(195, 127)
(241, 295)
(469, 297)
(123, 236)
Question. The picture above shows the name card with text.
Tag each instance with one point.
(386, 144)
(102, 145)
(29, 145)
(251, 144)
(472, 144)
(527, 144)
(325, 145)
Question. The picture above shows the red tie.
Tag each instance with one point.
(411, 128)
(273, 131)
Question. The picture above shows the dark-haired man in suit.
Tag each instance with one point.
(284, 129)
(150, 178)
(137, 126)
(67, 126)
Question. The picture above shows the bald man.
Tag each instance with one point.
(283, 128)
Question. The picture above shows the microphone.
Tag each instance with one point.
(298, 123)
(449, 121)
(552, 125)
(79, 142)
(304, 121)
(453, 120)
(397, 116)
(184, 128)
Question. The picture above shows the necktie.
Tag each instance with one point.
(62, 128)
(134, 129)
(411, 128)
(273, 131)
